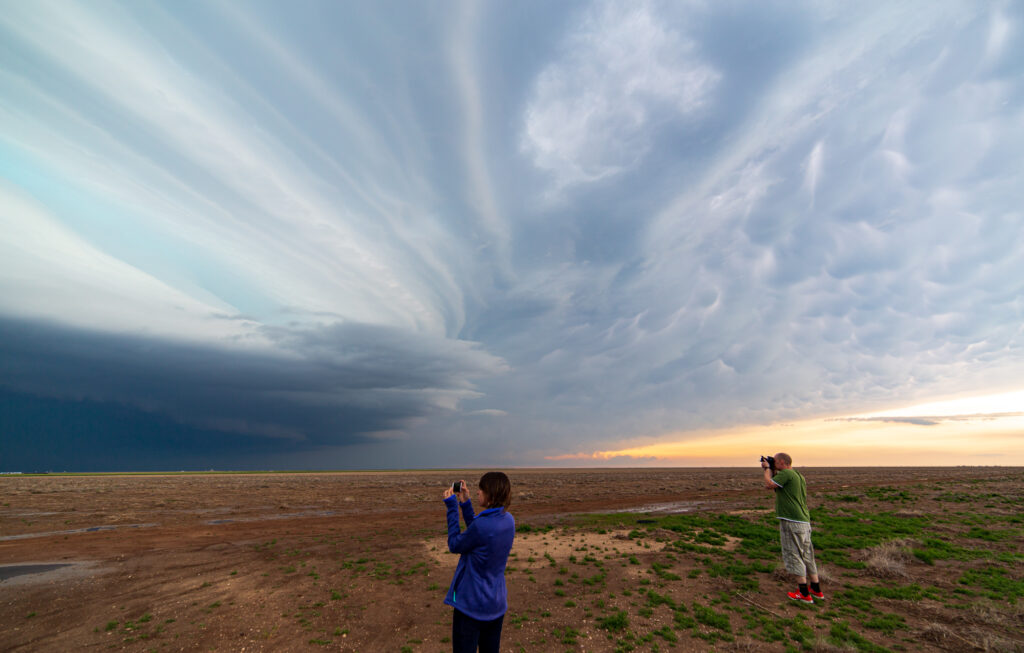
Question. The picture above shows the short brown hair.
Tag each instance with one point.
(497, 489)
(785, 457)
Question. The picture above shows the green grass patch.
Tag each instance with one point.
(768, 628)
(863, 598)
(614, 623)
(933, 549)
(683, 621)
(744, 574)
(835, 535)
(666, 634)
(990, 535)
(527, 528)
(889, 494)
(567, 635)
(841, 634)
(843, 498)
(661, 571)
(995, 582)
(709, 617)
(887, 623)
(710, 536)
(860, 530)
(654, 600)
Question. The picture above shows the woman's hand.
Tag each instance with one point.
(463, 492)
(448, 492)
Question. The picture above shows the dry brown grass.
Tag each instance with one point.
(747, 645)
(937, 634)
(889, 559)
(997, 614)
(822, 645)
(909, 513)
(992, 643)
(780, 574)
(824, 575)
(975, 639)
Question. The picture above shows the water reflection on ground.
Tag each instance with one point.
(90, 529)
(10, 571)
(668, 508)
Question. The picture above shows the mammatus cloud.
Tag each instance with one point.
(750, 305)
(623, 72)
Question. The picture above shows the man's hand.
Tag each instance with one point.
(768, 483)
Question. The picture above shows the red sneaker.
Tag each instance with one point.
(803, 598)
(818, 595)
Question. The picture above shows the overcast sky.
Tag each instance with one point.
(390, 234)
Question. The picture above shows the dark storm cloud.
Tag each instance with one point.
(331, 385)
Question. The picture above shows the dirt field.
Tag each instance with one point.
(913, 559)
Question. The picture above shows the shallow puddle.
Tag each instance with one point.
(669, 508)
(10, 571)
(74, 531)
(291, 515)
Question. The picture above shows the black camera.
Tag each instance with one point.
(770, 460)
(456, 486)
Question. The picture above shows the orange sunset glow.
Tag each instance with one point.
(986, 430)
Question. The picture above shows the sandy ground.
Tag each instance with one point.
(344, 561)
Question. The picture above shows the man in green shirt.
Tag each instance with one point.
(794, 526)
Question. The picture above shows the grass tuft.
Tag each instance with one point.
(615, 623)
(889, 559)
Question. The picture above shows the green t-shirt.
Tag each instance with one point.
(791, 496)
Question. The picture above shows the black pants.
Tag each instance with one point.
(468, 633)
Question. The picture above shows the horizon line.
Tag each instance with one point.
(470, 468)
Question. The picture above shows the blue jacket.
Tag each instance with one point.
(478, 588)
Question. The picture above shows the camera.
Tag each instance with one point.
(770, 460)
(456, 486)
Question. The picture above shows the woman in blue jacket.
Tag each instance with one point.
(478, 591)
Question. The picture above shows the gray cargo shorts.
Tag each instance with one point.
(797, 550)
